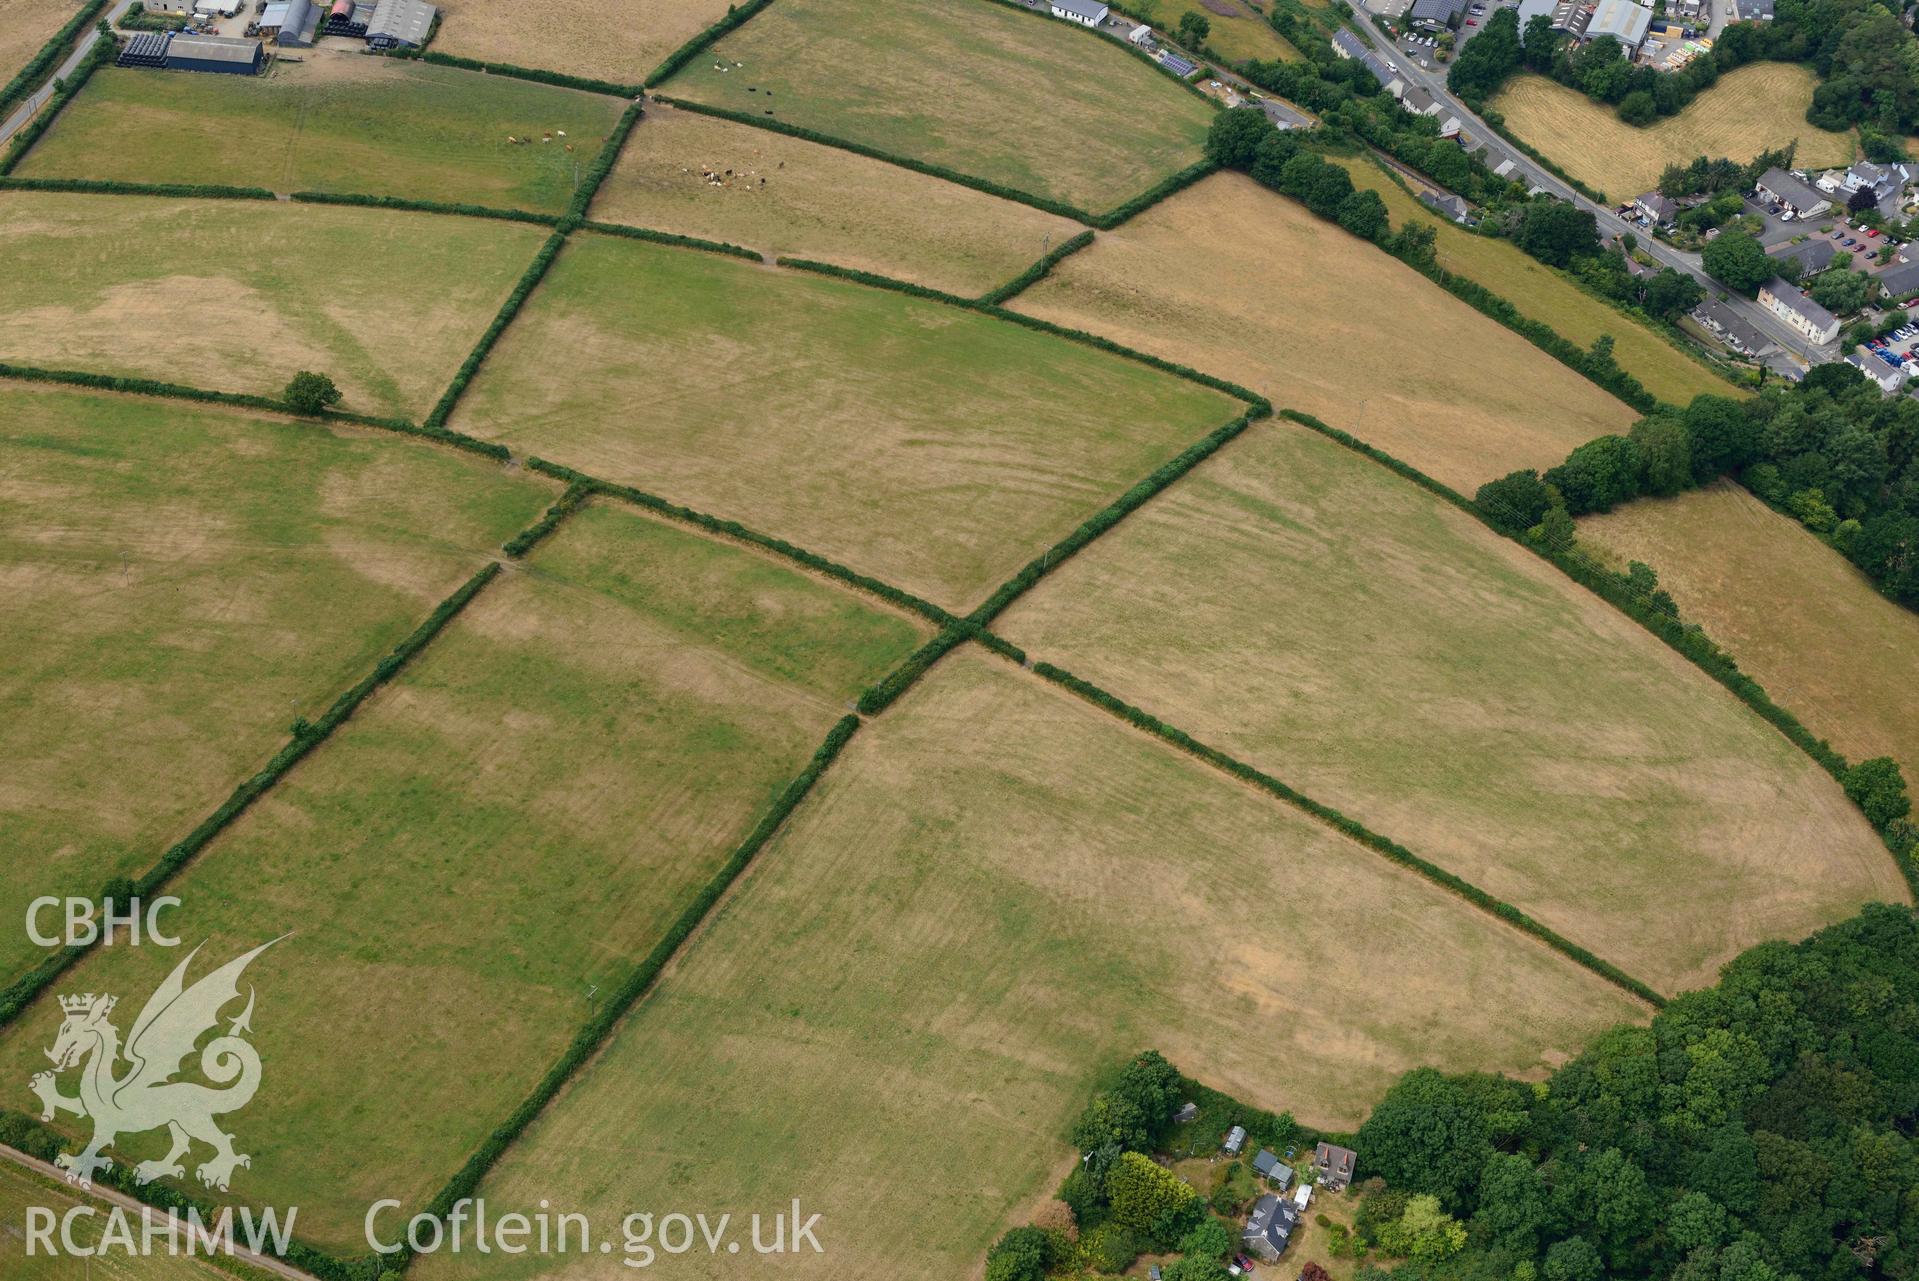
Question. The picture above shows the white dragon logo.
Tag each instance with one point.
(145, 1097)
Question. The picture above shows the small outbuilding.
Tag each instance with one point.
(1235, 1140)
(1268, 1166)
(223, 54)
(1187, 1114)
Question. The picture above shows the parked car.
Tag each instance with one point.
(1245, 1264)
(1472, 22)
(1872, 231)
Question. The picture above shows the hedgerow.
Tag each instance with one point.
(42, 64)
(1085, 338)
(740, 533)
(671, 238)
(508, 310)
(590, 1038)
(564, 81)
(103, 187)
(1170, 186)
(876, 281)
(1121, 45)
(530, 537)
(986, 185)
(102, 52)
(877, 697)
(736, 15)
(603, 164)
(1350, 828)
(423, 206)
(1037, 272)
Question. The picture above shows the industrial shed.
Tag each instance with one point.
(398, 23)
(291, 23)
(215, 53)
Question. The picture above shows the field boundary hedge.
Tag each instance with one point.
(602, 165)
(404, 204)
(734, 531)
(533, 535)
(1167, 187)
(1689, 640)
(672, 238)
(103, 50)
(598, 1030)
(555, 78)
(736, 16)
(1037, 272)
(1352, 829)
(875, 281)
(531, 277)
(107, 187)
(26, 80)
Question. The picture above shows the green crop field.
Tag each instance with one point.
(511, 824)
(334, 122)
(180, 584)
(236, 295)
(897, 1014)
(1036, 104)
(935, 448)
(1296, 605)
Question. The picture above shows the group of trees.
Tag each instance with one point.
(1245, 139)
(1864, 55)
(1759, 1130)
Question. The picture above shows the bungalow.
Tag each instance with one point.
(1087, 13)
(1446, 206)
(1799, 311)
(1901, 280)
(1437, 15)
(1793, 192)
(1235, 1140)
(1269, 1228)
(1812, 255)
(1419, 102)
(1726, 325)
(1268, 1166)
(1335, 1165)
(1657, 210)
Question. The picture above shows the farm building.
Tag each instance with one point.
(216, 8)
(291, 23)
(145, 49)
(222, 54)
(346, 18)
(1085, 12)
(1623, 20)
(400, 23)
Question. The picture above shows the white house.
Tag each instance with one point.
(1799, 311)
(1084, 12)
(1141, 35)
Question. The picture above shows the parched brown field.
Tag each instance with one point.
(620, 40)
(1304, 609)
(1243, 283)
(22, 1190)
(1797, 616)
(238, 295)
(1758, 107)
(930, 446)
(26, 26)
(177, 584)
(900, 1009)
(701, 176)
(509, 825)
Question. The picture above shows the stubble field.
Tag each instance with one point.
(1297, 606)
(179, 585)
(1322, 322)
(1847, 667)
(621, 41)
(26, 26)
(700, 176)
(334, 122)
(1756, 108)
(510, 825)
(935, 448)
(1035, 103)
(897, 1014)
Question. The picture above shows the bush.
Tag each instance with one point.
(310, 393)
(1022, 1254)
(1515, 502)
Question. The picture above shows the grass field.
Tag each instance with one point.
(1309, 612)
(1028, 101)
(1758, 107)
(1548, 297)
(511, 824)
(21, 1189)
(932, 447)
(1236, 36)
(176, 586)
(1326, 324)
(334, 122)
(897, 1014)
(239, 295)
(25, 27)
(621, 41)
(1847, 665)
(700, 176)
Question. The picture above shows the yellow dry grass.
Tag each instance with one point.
(25, 26)
(1236, 36)
(898, 1012)
(701, 176)
(1759, 107)
(1803, 622)
(1544, 295)
(1240, 282)
(1302, 608)
(619, 40)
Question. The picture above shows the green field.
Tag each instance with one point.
(334, 122)
(1548, 297)
(992, 897)
(509, 825)
(1300, 607)
(1036, 104)
(180, 584)
(932, 447)
(235, 295)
